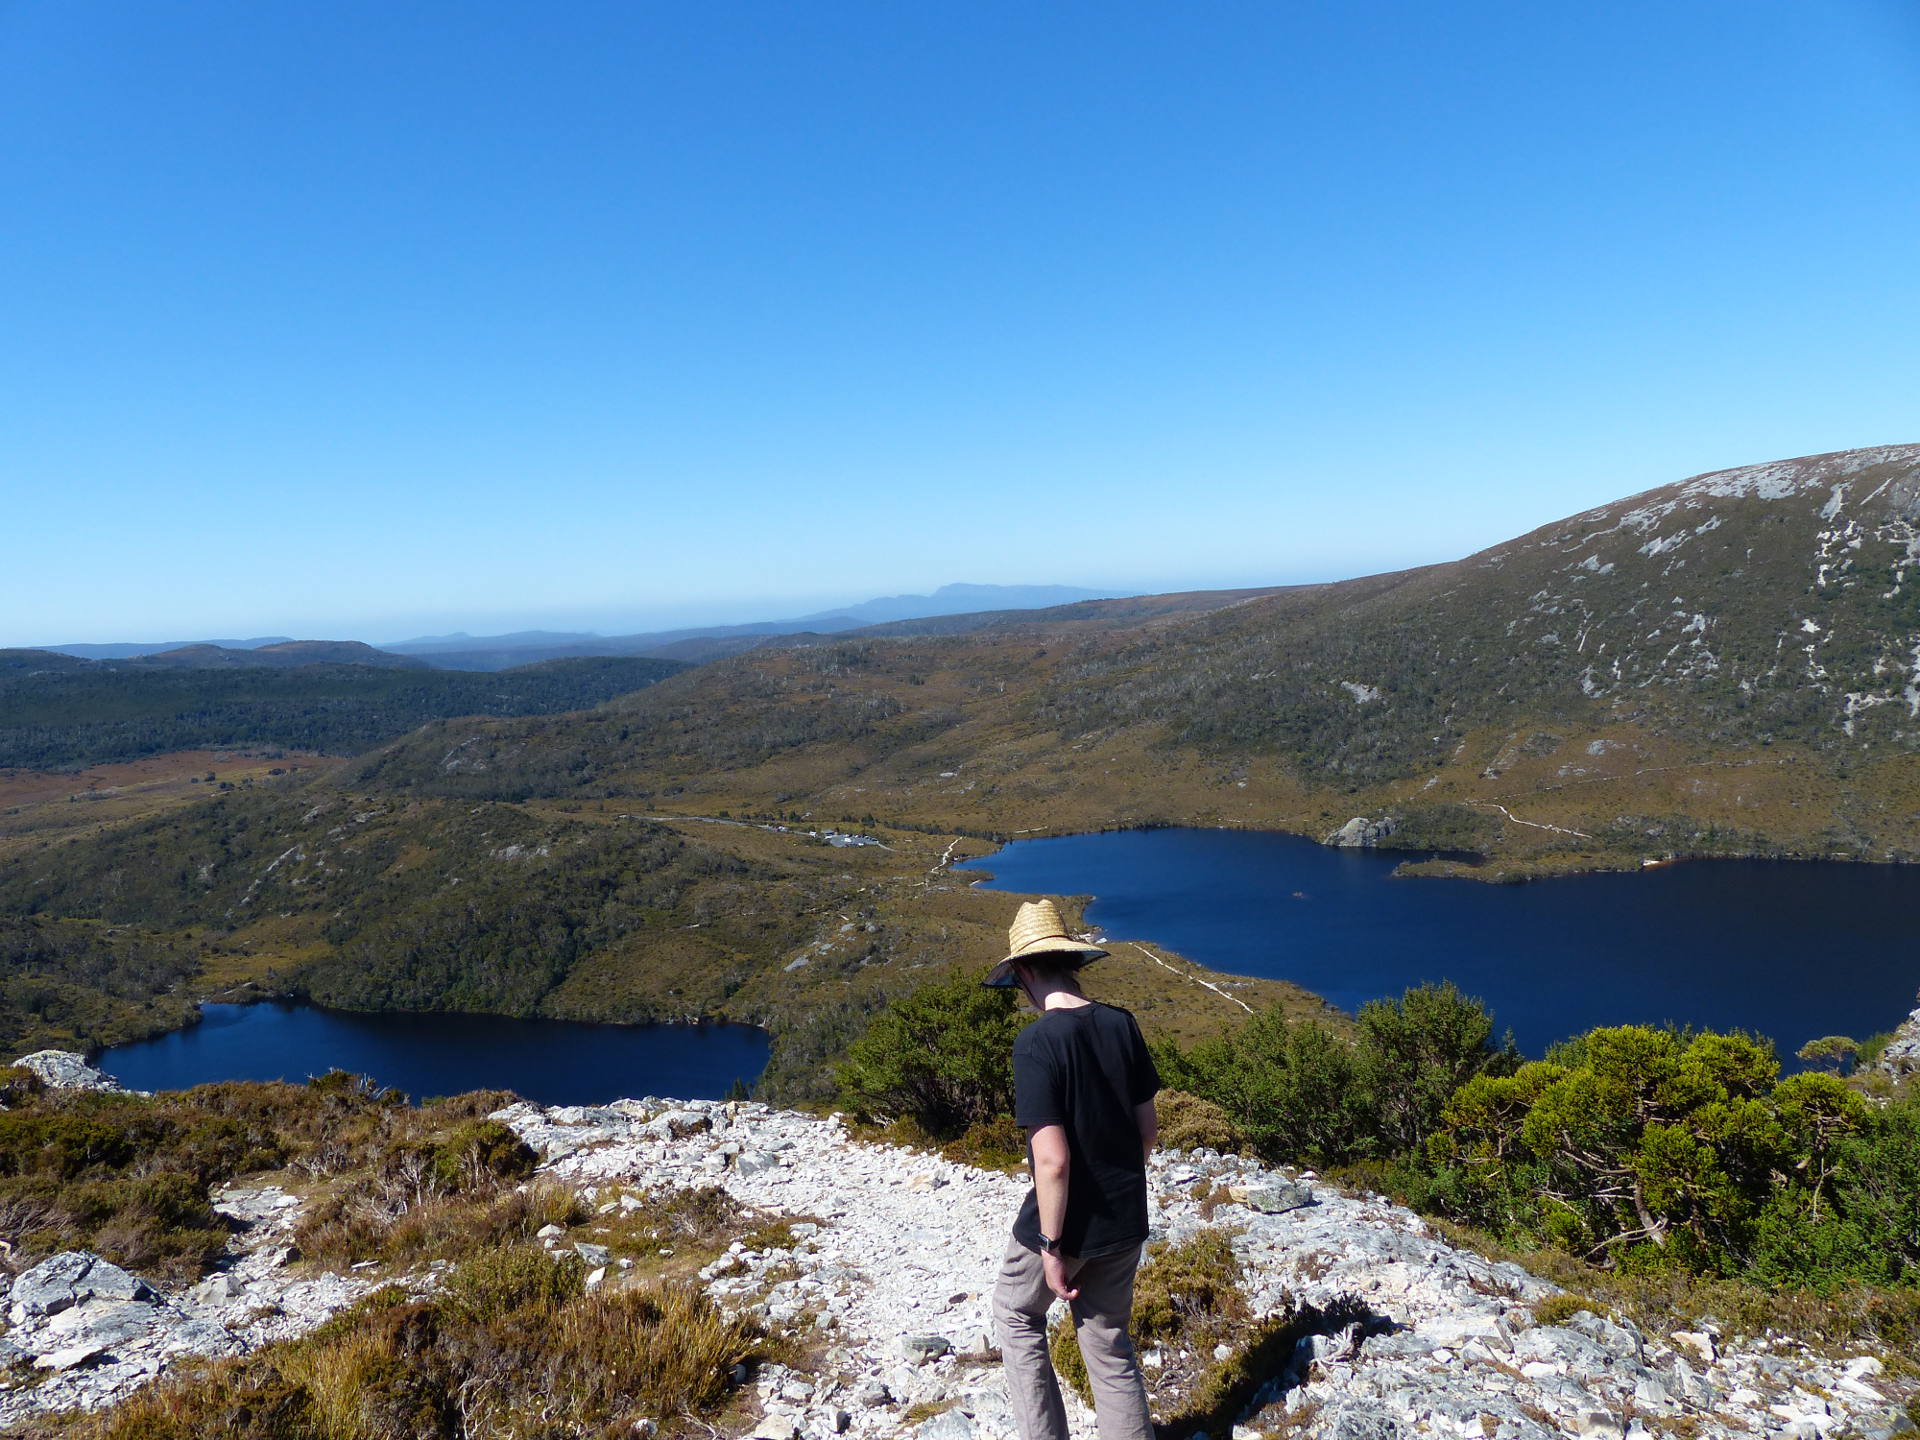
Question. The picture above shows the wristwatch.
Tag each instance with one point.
(1049, 1246)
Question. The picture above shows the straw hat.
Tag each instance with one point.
(1037, 929)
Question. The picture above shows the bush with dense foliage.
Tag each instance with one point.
(1648, 1148)
(1302, 1091)
(942, 1057)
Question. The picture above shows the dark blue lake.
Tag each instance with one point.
(1788, 949)
(556, 1062)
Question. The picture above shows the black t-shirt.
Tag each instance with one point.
(1085, 1067)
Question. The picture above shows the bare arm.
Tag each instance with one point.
(1148, 1119)
(1051, 1175)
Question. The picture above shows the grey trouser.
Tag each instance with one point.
(1100, 1316)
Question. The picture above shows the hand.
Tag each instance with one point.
(1055, 1269)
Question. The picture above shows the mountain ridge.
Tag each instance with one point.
(1666, 628)
(468, 652)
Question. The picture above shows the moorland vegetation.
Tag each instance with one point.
(78, 713)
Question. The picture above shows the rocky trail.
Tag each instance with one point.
(887, 1280)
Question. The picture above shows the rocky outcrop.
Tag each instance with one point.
(64, 1070)
(100, 1330)
(1362, 833)
(1901, 1057)
(84, 1333)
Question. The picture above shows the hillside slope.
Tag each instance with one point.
(58, 712)
(1607, 671)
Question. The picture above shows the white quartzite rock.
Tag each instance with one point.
(1902, 1054)
(64, 1070)
(1362, 833)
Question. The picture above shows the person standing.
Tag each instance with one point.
(1083, 1091)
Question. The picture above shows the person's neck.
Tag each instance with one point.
(1059, 995)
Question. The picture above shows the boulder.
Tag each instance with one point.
(1276, 1197)
(1362, 833)
(68, 1279)
(947, 1425)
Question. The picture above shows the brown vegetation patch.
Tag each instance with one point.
(513, 1348)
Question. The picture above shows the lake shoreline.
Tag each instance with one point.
(1714, 946)
(443, 1052)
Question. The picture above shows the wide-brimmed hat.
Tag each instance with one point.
(1037, 929)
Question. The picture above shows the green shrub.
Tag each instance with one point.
(1302, 1093)
(1558, 1309)
(1414, 1052)
(942, 1056)
(515, 1277)
(1291, 1085)
(480, 1153)
(1651, 1150)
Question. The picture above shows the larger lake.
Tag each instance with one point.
(556, 1062)
(1787, 949)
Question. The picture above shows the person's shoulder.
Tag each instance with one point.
(1116, 1014)
(1031, 1036)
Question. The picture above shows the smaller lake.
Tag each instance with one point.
(1782, 948)
(555, 1062)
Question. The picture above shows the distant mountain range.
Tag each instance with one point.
(700, 643)
(286, 653)
(129, 649)
(460, 651)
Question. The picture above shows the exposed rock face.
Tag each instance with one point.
(1360, 832)
(64, 1070)
(1902, 1055)
(103, 1332)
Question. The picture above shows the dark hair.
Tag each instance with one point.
(1053, 965)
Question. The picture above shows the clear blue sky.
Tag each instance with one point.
(362, 320)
